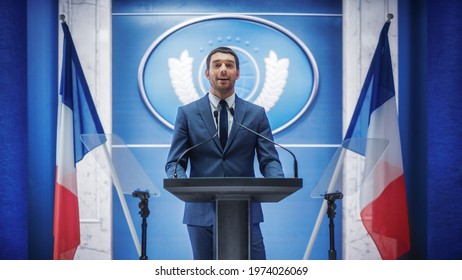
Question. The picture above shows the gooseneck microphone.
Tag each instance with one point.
(231, 110)
(215, 115)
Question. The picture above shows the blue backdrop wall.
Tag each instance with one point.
(310, 120)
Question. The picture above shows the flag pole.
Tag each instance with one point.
(314, 232)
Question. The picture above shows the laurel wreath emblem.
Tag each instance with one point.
(277, 71)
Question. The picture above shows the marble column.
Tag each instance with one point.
(362, 22)
(90, 26)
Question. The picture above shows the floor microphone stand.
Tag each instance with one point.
(144, 213)
(331, 207)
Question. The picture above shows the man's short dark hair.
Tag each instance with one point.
(222, 50)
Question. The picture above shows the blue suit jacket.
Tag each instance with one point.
(194, 124)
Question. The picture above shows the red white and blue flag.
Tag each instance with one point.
(77, 116)
(383, 203)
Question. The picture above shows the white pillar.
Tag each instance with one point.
(362, 22)
(90, 26)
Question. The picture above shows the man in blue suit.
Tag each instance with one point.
(231, 154)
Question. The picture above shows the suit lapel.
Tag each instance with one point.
(239, 114)
(203, 106)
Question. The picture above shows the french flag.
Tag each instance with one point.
(383, 204)
(77, 116)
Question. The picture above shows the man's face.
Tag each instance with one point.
(222, 74)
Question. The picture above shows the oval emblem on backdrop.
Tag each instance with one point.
(278, 72)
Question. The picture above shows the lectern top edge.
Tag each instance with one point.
(210, 189)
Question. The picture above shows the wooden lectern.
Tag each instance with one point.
(232, 196)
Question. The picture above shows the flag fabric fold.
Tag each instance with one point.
(383, 204)
(77, 116)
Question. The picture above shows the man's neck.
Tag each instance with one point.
(222, 96)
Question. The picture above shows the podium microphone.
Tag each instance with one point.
(215, 115)
(231, 110)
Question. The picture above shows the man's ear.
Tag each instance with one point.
(207, 73)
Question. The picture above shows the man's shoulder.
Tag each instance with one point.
(194, 104)
(248, 105)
